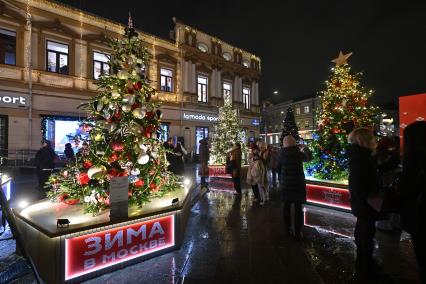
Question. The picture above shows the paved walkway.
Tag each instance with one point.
(232, 240)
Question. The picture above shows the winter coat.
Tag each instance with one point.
(413, 198)
(293, 184)
(273, 161)
(256, 171)
(204, 156)
(235, 157)
(45, 158)
(363, 180)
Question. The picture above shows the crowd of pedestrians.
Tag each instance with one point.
(377, 171)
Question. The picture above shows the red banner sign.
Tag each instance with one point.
(88, 253)
(218, 171)
(328, 195)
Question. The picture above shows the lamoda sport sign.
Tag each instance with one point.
(88, 253)
(196, 116)
(13, 100)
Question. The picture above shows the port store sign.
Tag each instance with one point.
(89, 253)
(8, 99)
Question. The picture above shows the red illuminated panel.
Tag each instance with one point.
(218, 171)
(411, 109)
(328, 196)
(88, 253)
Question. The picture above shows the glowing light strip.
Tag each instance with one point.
(322, 229)
(172, 243)
(329, 204)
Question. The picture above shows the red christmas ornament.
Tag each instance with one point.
(113, 158)
(62, 197)
(130, 90)
(136, 105)
(83, 179)
(129, 193)
(117, 146)
(137, 86)
(149, 114)
(154, 187)
(87, 164)
(118, 115)
(139, 183)
(112, 172)
(71, 201)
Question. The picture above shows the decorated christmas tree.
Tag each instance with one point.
(343, 106)
(227, 133)
(290, 127)
(124, 122)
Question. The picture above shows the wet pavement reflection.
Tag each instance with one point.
(230, 239)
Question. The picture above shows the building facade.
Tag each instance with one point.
(273, 119)
(51, 56)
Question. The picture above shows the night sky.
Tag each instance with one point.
(296, 40)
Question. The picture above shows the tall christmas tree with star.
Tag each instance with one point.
(227, 133)
(343, 107)
(290, 126)
(124, 123)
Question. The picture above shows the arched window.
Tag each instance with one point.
(203, 47)
(227, 56)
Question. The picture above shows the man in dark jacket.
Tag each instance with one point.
(293, 184)
(363, 183)
(235, 157)
(44, 162)
(204, 156)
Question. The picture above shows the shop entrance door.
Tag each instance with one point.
(4, 126)
(200, 133)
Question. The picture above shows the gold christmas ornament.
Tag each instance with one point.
(139, 113)
(126, 108)
(115, 95)
(96, 172)
(129, 99)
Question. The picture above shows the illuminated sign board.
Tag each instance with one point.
(328, 196)
(255, 122)
(209, 117)
(92, 252)
(13, 100)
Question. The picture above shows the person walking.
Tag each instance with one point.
(363, 183)
(69, 153)
(256, 175)
(178, 166)
(273, 164)
(253, 155)
(235, 158)
(413, 190)
(45, 163)
(264, 156)
(293, 184)
(204, 156)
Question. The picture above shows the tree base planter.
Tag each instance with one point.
(219, 171)
(328, 194)
(93, 245)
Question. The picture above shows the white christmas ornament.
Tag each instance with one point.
(135, 172)
(143, 159)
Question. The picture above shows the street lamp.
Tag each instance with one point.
(275, 92)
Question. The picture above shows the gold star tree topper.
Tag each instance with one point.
(341, 59)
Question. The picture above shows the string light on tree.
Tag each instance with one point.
(227, 133)
(123, 122)
(344, 106)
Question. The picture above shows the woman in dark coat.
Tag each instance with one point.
(235, 157)
(363, 182)
(69, 153)
(293, 184)
(413, 190)
(204, 156)
(45, 163)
